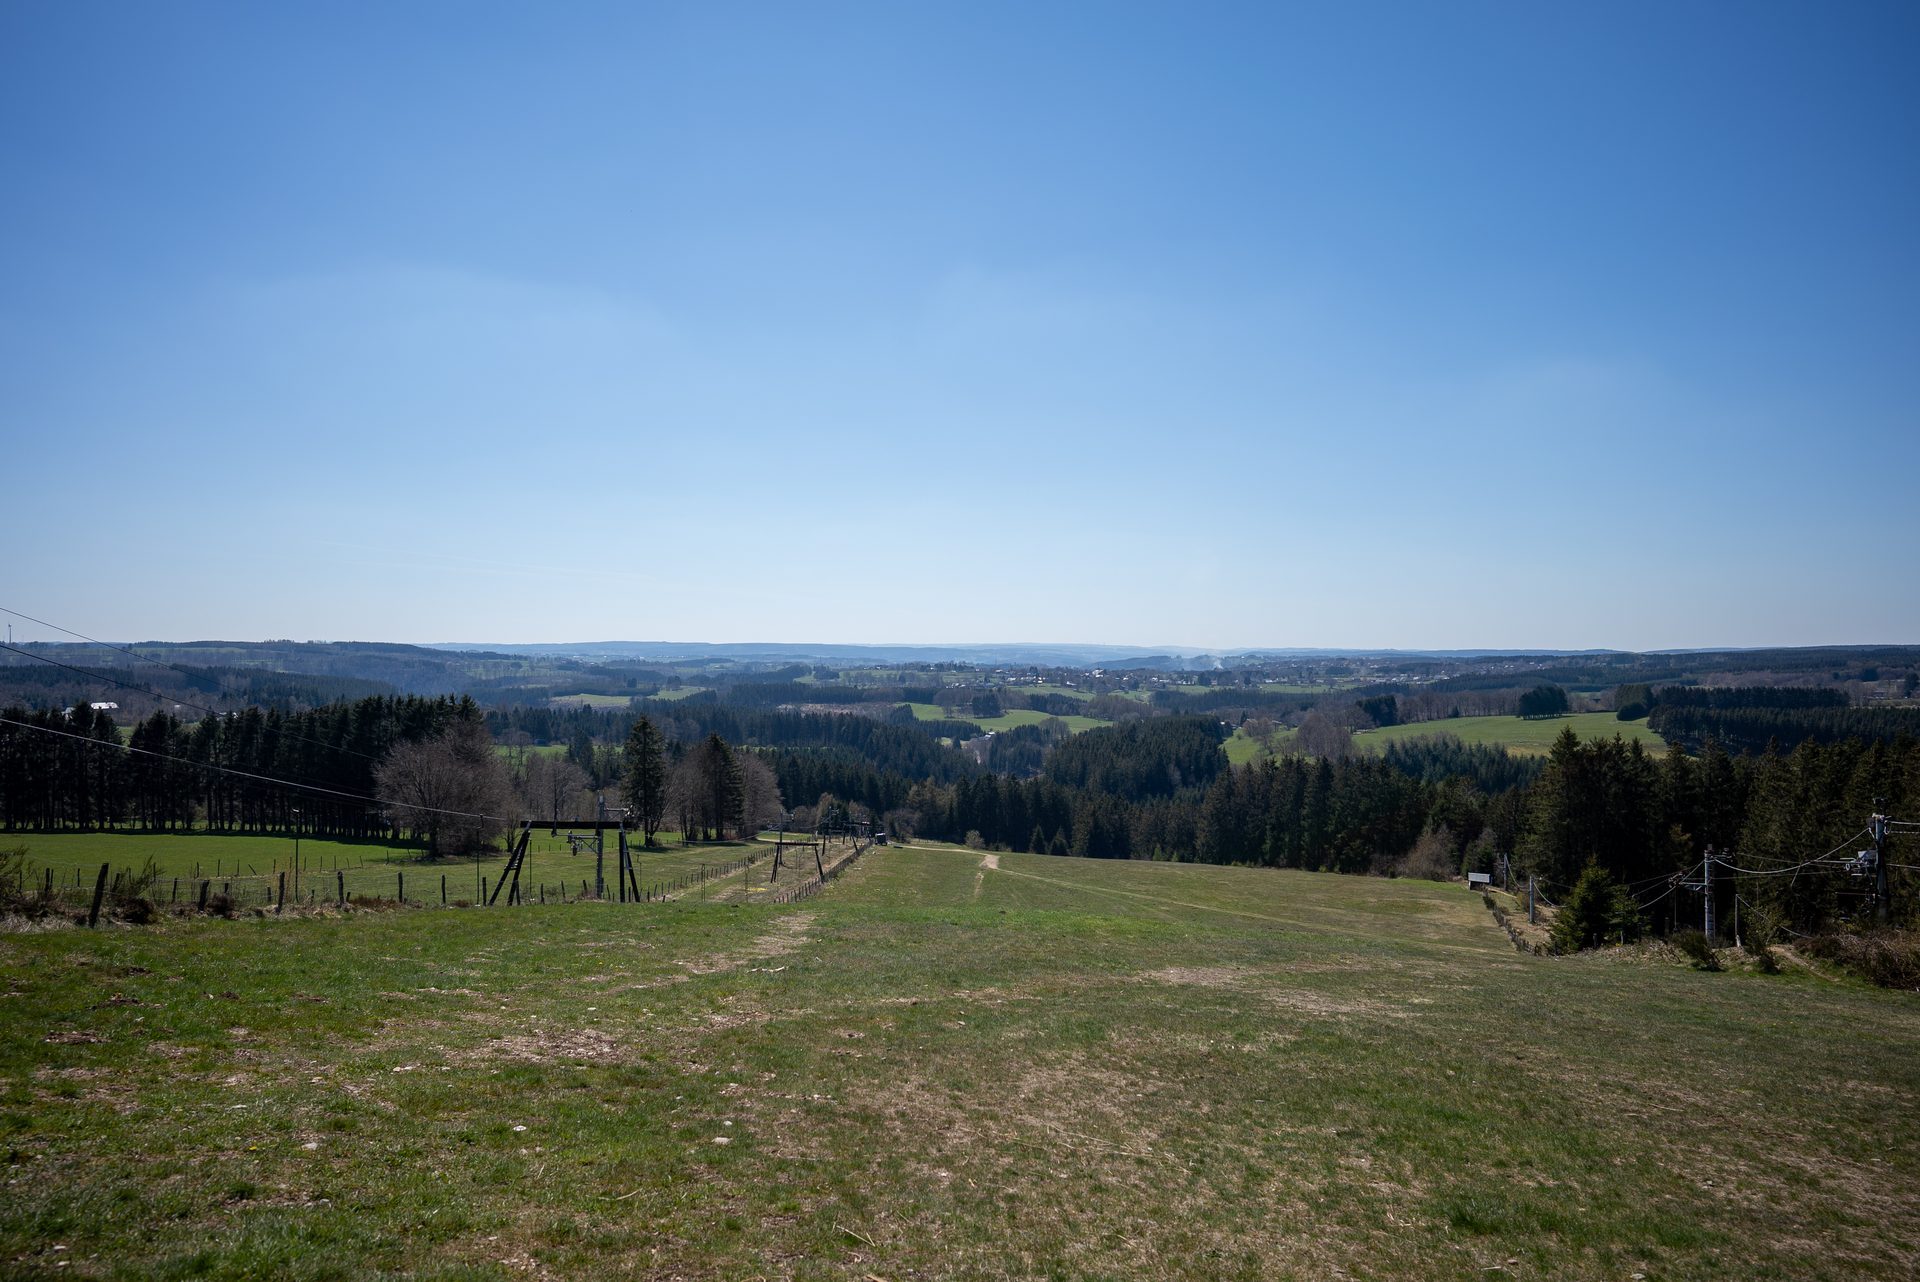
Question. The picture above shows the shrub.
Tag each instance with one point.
(1431, 858)
(1889, 958)
(13, 877)
(18, 894)
(1764, 926)
(1696, 948)
(133, 894)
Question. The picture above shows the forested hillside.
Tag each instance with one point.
(1763, 772)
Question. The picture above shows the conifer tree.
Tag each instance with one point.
(1597, 911)
(646, 782)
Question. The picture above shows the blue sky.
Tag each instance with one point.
(1210, 325)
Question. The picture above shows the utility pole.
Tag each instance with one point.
(1882, 891)
(600, 849)
(1706, 887)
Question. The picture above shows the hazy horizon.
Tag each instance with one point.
(23, 631)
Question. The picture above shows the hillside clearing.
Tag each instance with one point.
(1005, 720)
(1051, 1068)
(1526, 736)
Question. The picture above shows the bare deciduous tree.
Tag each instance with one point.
(453, 790)
(1432, 857)
(554, 787)
(684, 788)
(1320, 736)
(761, 799)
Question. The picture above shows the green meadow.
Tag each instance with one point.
(591, 700)
(947, 1065)
(1528, 736)
(1005, 720)
(249, 865)
(1243, 749)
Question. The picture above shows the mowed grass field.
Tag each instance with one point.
(591, 700)
(1044, 1068)
(679, 692)
(1242, 748)
(249, 865)
(1522, 735)
(1005, 720)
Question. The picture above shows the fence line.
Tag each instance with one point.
(808, 889)
(420, 885)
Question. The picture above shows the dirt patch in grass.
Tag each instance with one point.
(547, 1046)
(1261, 985)
(1203, 976)
(784, 937)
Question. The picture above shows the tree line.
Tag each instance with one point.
(1753, 729)
(899, 747)
(61, 769)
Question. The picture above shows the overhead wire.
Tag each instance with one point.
(1794, 868)
(247, 774)
(1657, 898)
(1755, 908)
(180, 702)
(144, 658)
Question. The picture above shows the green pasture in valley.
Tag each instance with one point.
(591, 700)
(1005, 720)
(947, 1065)
(1242, 748)
(679, 692)
(1028, 717)
(510, 750)
(1071, 692)
(1523, 735)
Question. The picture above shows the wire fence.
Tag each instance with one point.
(139, 893)
(814, 885)
(226, 886)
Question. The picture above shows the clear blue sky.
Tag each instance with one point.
(1349, 325)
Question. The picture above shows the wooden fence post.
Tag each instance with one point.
(206, 885)
(99, 891)
(342, 878)
(282, 905)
